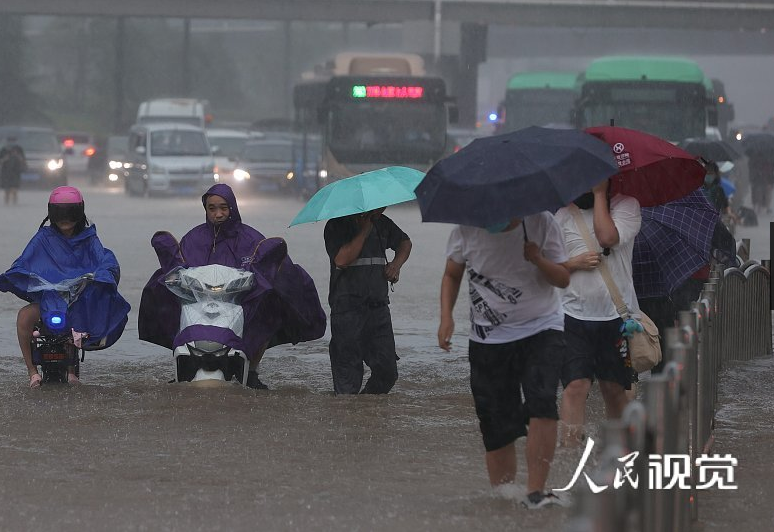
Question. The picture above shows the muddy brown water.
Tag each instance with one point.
(129, 451)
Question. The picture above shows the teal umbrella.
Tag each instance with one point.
(361, 193)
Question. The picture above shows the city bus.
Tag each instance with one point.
(664, 96)
(362, 121)
(538, 99)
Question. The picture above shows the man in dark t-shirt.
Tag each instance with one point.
(361, 326)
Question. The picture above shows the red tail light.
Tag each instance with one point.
(68, 143)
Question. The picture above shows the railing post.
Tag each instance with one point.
(688, 321)
(658, 505)
(682, 388)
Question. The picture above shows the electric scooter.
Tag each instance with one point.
(55, 345)
(210, 314)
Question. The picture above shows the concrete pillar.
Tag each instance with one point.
(473, 38)
(118, 75)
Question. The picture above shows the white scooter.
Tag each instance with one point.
(210, 296)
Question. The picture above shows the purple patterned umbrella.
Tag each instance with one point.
(673, 242)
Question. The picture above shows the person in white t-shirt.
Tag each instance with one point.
(516, 341)
(595, 348)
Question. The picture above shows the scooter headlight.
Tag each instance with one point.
(55, 321)
(221, 350)
(193, 350)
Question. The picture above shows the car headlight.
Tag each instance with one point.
(241, 175)
(55, 164)
(112, 177)
(290, 176)
(323, 174)
(115, 165)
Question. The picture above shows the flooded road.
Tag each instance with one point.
(128, 451)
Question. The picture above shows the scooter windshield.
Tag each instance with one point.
(68, 289)
(213, 282)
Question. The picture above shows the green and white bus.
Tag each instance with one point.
(665, 96)
(538, 99)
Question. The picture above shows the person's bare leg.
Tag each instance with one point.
(501, 465)
(25, 322)
(14, 196)
(72, 378)
(541, 443)
(615, 398)
(631, 393)
(573, 412)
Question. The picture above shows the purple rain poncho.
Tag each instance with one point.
(282, 307)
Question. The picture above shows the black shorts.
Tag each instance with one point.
(594, 350)
(498, 375)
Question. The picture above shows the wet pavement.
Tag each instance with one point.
(128, 451)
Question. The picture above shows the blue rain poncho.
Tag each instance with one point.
(49, 261)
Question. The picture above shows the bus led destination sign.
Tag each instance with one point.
(398, 92)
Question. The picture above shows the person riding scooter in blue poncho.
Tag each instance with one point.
(70, 282)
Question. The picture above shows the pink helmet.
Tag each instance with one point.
(62, 195)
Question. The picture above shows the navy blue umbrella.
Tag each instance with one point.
(673, 243)
(494, 179)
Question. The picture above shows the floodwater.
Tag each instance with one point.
(129, 451)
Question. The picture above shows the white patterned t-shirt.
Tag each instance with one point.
(510, 299)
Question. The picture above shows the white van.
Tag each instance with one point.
(169, 158)
(179, 110)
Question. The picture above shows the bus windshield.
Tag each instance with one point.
(537, 107)
(387, 131)
(670, 112)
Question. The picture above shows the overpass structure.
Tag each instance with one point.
(678, 14)
(486, 28)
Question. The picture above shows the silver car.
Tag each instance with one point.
(169, 159)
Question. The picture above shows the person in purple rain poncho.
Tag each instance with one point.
(282, 307)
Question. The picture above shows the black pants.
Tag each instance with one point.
(363, 335)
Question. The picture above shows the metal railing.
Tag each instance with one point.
(730, 321)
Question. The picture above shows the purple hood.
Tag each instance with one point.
(229, 243)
